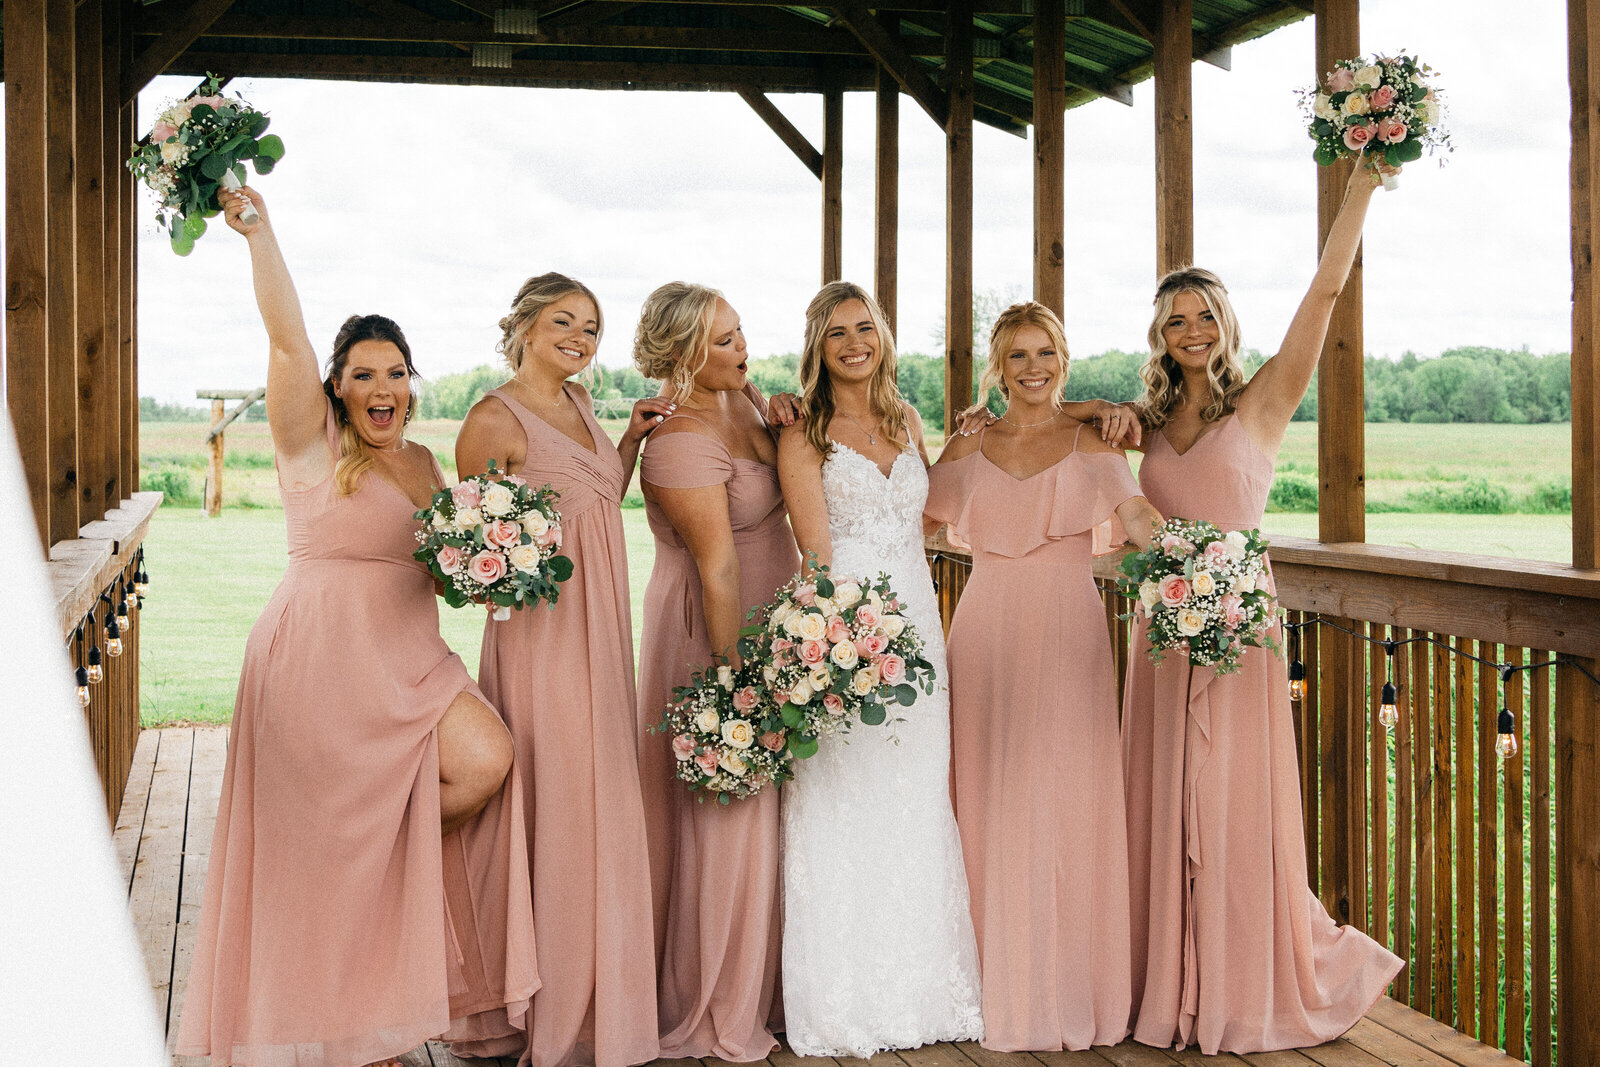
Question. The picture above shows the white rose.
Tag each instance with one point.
(1324, 108)
(1356, 104)
(732, 764)
(1369, 77)
(844, 654)
(498, 500)
(1242, 583)
(827, 606)
(439, 521)
(1190, 622)
(846, 594)
(791, 621)
(801, 693)
(1237, 541)
(738, 733)
(892, 626)
(1203, 584)
(821, 678)
(875, 600)
(769, 673)
(781, 615)
(1149, 594)
(525, 558)
(725, 676)
(811, 626)
(865, 680)
(708, 721)
(1264, 582)
(467, 518)
(535, 523)
(174, 153)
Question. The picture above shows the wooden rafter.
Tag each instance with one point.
(779, 124)
(1136, 17)
(160, 53)
(887, 50)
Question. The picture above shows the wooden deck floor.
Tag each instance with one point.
(163, 842)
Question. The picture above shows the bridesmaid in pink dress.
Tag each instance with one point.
(337, 928)
(1231, 950)
(723, 545)
(1038, 782)
(563, 679)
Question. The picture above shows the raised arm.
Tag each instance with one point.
(296, 403)
(1275, 391)
(800, 475)
(700, 517)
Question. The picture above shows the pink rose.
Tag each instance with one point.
(772, 741)
(1382, 98)
(872, 645)
(746, 699)
(1232, 607)
(466, 495)
(781, 644)
(551, 538)
(502, 534)
(516, 479)
(161, 132)
(867, 615)
(893, 604)
(1175, 546)
(1357, 137)
(834, 703)
(1216, 552)
(1392, 131)
(1174, 590)
(209, 101)
(683, 746)
(806, 595)
(892, 669)
(813, 652)
(1341, 80)
(487, 567)
(707, 762)
(838, 629)
(449, 559)
(780, 697)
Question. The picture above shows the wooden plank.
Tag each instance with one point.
(113, 173)
(1425, 784)
(1516, 954)
(1466, 723)
(886, 200)
(1583, 72)
(958, 213)
(1341, 1053)
(1283, 1058)
(205, 789)
(1577, 759)
(1539, 928)
(156, 56)
(1378, 737)
(1404, 807)
(1195, 1058)
(129, 827)
(940, 1055)
(1132, 1054)
(1333, 751)
(1443, 972)
(1391, 1048)
(982, 1057)
(1341, 440)
(832, 184)
(239, 409)
(1487, 722)
(892, 56)
(158, 872)
(61, 357)
(214, 465)
(1358, 720)
(1174, 133)
(89, 281)
(779, 124)
(1434, 1036)
(1049, 149)
(1311, 704)
(128, 415)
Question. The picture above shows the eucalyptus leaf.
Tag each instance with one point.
(194, 226)
(873, 715)
(263, 164)
(182, 244)
(202, 111)
(560, 568)
(905, 694)
(270, 146)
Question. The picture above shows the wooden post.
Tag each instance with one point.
(886, 245)
(61, 331)
(128, 415)
(25, 248)
(214, 467)
(1577, 719)
(113, 173)
(832, 184)
(1173, 57)
(1049, 166)
(95, 387)
(958, 212)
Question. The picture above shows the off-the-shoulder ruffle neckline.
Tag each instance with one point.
(979, 453)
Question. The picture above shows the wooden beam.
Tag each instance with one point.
(982, 7)
(779, 124)
(1584, 75)
(222, 423)
(96, 453)
(159, 54)
(26, 209)
(958, 213)
(1137, 18)
(832, 184)
(886, 200)
(61, 340)
(888, 51)
(1049, 163)
(1174, 135)
(113, 174)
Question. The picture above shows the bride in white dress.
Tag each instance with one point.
(878, 945)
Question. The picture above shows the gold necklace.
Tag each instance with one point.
(1028, 425)
(872, 437)
(404, 444)
(552, 404)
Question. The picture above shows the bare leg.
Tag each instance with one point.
(474, 758)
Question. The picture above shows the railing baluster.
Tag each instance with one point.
(1443, 923)
(1516, 871)
(1426, 783)
(1543, 1001)
(1403, 808)
(1488, 882)
(1311, 793)
(1466, 839)
(1378, 773)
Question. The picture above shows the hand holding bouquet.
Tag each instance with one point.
(1381, 108)
(1203, 591)
(727, 739)
(493, 539)
(199, 144)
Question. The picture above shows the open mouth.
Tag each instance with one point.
(1033, 383)
(381, 416)
(744, 366)
(1195, 350)
(570, 353)
(855, 360)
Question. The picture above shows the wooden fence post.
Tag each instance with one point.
(213, 501)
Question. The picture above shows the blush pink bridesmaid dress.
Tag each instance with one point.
(563, 679)
(1038, 781)
(337, 928)
(714, 867)
(1231, 950)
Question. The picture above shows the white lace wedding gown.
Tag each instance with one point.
(878, 946)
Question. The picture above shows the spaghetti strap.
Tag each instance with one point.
(1075, 436)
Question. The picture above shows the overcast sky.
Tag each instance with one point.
(432, 203)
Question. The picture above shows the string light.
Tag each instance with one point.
(1505, 744)
(1388, 711)
(113, 636)
(95, 670)
(83, 687)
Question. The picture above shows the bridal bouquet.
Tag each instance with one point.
(830, 652)
(1203, 591)
(197, 145)
(1379, 107)
(493, 540)
(726, 738)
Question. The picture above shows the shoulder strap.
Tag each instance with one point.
(1077, 435)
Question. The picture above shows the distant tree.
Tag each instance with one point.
(152, 411)
(452, 395)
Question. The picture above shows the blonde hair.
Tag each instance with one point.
(673, 340)
(535, 295)
(355, 458)
(816, 388)
(1163, 378)
(1003, 335)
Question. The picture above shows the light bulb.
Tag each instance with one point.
(1297, 685)
(83, 688)
(1388, 714)
(141, 583)
(1506, 744)
(96, 671)
(122, 614)
(113, 638)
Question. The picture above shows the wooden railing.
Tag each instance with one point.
(1422, 835)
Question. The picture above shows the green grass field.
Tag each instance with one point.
(210, 578)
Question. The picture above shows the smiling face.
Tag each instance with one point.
(725, 366)
(375, 387)
(1033, 368)
(850, 344)
(1191, 332)
(563, 337)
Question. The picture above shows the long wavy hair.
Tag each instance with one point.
(355, 457)
(533, 297)
(816, 387)
(673, 340)
(1004, 333)
(1163, 378)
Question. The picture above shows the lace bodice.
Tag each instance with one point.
(871, 511)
